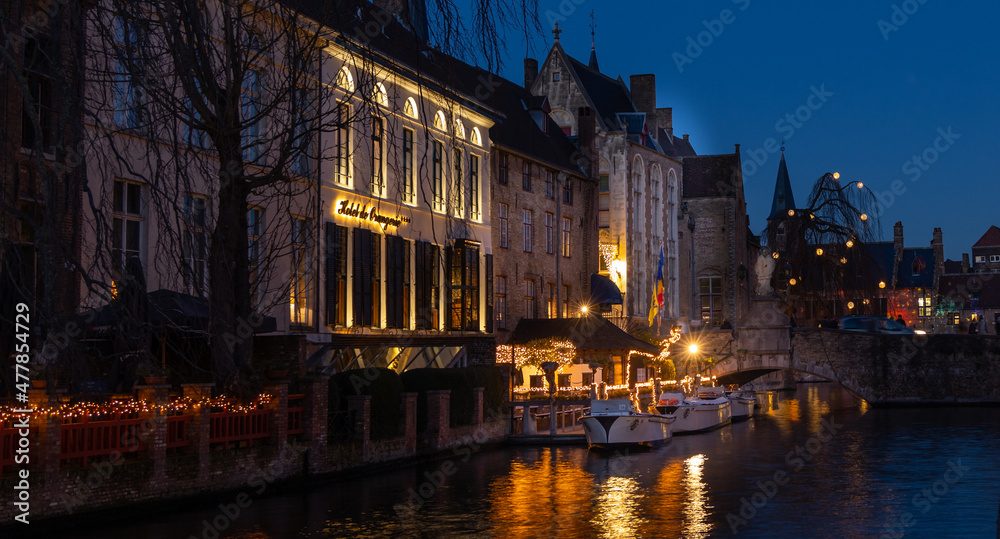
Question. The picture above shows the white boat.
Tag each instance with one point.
(709, 409)
(616, 423)
(743, 404)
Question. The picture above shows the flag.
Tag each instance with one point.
(657, 302)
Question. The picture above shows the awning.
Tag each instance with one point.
(604, 290)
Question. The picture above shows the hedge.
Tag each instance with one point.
(460, 381)
(385, 388)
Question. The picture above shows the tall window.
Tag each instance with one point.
(526, 176)
(530, 310)
(195, 243)
(549, 233)
(301, 248)
(126, 235)
(463, 284)
(251, 114)
(565, 300)
(458, 185)
(550, 185)
(604, 203)
(503, 168)
(567, 224)
(474, 186)
(437, 185)
(504, 224)
(427, 291)
(342, 144)
(501, 302)
(128, 69)
(924, 305)
(654, 196)
(378, 157)
(397, 282)
(336, 275)
(367, 283)
(409, 167)
(37, 76)
(567, 193)
(711, 300)
(192, 135)
(551, 305)
(255, 238)
(527, 229)
(303, 163)
(637, 214)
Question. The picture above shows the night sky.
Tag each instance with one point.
(928, 77)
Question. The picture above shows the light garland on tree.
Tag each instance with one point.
(132, 408)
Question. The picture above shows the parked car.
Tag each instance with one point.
(874, 324)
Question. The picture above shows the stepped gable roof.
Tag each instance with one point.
(711, 176)
(916, 268)
(990, 239)
(784, 199)
(587, 333)
(952, 266)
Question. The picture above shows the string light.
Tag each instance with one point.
(135, 407)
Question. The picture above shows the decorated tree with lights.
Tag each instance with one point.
(821, 251)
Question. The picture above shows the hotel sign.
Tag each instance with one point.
(366, 213)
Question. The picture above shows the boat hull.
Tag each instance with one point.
(695, 418)
(742, 408)
(639, 430)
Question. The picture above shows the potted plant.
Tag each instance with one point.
(275, 371)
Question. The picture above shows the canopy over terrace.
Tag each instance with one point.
(593, 338)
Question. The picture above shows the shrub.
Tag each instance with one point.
(385, 388)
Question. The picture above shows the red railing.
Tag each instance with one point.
(296, 406)
(84, 438)
(236, 427)
(10, 437)
(177, 431)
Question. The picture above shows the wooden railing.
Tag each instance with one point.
(177, 431)
(238, 427)
(83, 438)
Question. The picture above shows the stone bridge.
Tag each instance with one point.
(882, 369)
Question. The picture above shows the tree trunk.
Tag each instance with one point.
(229, 276)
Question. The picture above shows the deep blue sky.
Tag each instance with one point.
(940, 69)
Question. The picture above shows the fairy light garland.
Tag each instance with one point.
(134, 407)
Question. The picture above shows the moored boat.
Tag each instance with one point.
(616, 423)
(742, 404)
(708, 410)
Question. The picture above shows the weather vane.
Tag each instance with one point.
(593, 27)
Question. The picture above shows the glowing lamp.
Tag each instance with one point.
(850, 243)
(836, 175)
(819, 251)
(693, 348)
(774, 254)
(584, 309)
(864, 216)
(881, 284)
(861, 185)
(792, 281)
(843, 260)
(850, 304)
(791, 213)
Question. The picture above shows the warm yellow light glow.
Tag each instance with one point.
(861, 185)
(864, 216)
(584, 309)
(850, 243)
(819, 251)
(693, 348)
(920, 332)
(792, 281)
(881, 284)
(791, 213)
(836, 175)
(774, 254)
(812, 216)
(843, 260)
(850, 304)
(865, 301)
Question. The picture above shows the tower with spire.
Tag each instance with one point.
(593, 51)
(782, 214)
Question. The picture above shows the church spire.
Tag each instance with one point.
(593, 52)
(783, 199)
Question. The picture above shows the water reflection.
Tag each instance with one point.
(616, 505)
(696, 510)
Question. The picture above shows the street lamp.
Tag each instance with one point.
(550, 376)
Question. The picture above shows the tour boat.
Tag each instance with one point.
(616, 423)
(708, 409)
(742, 403)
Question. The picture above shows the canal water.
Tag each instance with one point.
(820, 463)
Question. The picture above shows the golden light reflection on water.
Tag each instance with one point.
(817, 407)
(696, 508)
(616, 506)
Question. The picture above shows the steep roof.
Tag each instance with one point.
(586, 333)
(990, 239)
(783, 200)
(675, 146)
(606, 96)
(916, 268)
(711, 176)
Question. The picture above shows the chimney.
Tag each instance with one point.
(897, 250)
(585, 127)
(665, 119)
(937, 244)
(965, 262)
(530, 72)
(686, 138)
(643, 89)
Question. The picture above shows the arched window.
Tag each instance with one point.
(459, 129)
(410, 108)
(655, 186)
(638, 205)
(564, 120)
(439, 120)
(476, 137)
(380, 95)
(344, 79)
(604, 196)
